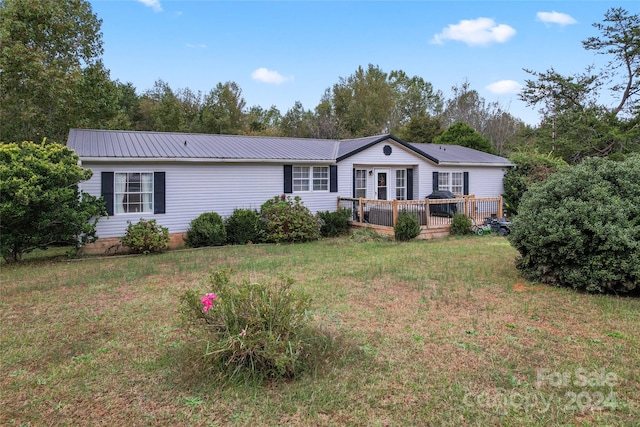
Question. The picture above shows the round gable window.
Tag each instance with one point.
(386, 150)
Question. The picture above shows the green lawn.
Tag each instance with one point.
(439, 332)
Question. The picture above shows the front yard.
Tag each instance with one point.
(437, 332)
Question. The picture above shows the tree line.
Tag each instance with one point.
(53, 79)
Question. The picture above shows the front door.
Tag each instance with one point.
(382, 184)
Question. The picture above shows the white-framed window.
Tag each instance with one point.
(451, 181)
(300, 178)
(310, 178)
(320, 178)
(133, 192)
(401, 184)
(361, 183)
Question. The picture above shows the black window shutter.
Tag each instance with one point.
(435, 181)
(158, 193)
(465, 183)
(107, 191)
(353, 182)
(288, 179)
(410, 184)
(333, 178)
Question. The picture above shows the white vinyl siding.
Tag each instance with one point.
(194, 188)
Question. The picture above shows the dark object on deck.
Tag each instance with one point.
(502, 226)
(444, 210)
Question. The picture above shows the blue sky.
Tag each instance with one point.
(280, 52)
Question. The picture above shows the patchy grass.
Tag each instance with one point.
(439, 332)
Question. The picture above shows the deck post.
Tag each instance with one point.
(500, 213)
(395, 212)
(361, 209)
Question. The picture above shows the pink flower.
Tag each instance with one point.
(243, 333)
(207, 301)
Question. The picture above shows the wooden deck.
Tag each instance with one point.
(434, 216)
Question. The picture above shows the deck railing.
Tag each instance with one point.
(431, 213)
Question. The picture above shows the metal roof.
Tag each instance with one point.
(117, 144)
(456, 154)
(120, 145)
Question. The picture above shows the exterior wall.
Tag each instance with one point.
(373, 158)
(193, 188)
(484, 181)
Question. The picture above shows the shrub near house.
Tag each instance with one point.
(580, 228)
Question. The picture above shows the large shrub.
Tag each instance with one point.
(529, 169)
(333, 224)
(207, 229)
(254, 331)
(581, 227)
(244, 226)
(145, 237)
(407, 227)
(288, 220)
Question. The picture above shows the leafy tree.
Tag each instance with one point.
(263, 122)
(45, 45)
(421, 129)
(531, 168)
(464, 135)
(580, 227)
(40, 202)
(223, 110)
(577, 122)
(297, 122)
(414, 97)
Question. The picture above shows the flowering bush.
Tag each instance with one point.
(254, 331)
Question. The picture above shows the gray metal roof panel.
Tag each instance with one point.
(447, 154)
(159, 145)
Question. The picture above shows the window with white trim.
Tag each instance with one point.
(133, 192)
(320, 178)
(310, 178)
(401, 184)
(361, 183)
(451, 181)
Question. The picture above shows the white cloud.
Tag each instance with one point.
(504, 86)
(153, 4)
(556, 18)
(475, 32)
(197, 45)
(267, 76)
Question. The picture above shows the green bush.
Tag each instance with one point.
(288, 220)
(581, 227)
(407, 227)
(460, 224)
(333, 224)
(206, 230)
(145, 237)
(530, 168)
(255, 331)
(244, 226)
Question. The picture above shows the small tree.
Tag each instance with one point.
(580, 227)
(40, 202)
